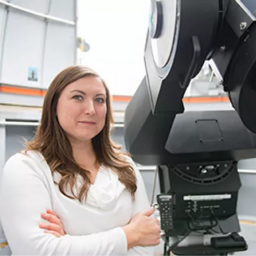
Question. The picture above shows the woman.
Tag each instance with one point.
(72, 168)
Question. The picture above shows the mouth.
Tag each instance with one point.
(87, 122)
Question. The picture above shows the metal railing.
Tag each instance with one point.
(37, 14)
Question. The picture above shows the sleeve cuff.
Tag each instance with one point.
(122, 242)
(118, 242)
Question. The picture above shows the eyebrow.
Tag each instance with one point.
(82, 92)
(78, 91)
(101, 94)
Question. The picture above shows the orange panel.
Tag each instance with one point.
(205, 99)
(18, 90)
(250, 222)
(44, 93)
(2, 245)
(121, 98)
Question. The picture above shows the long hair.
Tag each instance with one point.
(51, 141)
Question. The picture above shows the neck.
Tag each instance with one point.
(83, 153)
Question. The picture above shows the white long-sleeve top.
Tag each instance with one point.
(92, 227)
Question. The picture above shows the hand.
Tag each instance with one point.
(54, 226)
(143, 230)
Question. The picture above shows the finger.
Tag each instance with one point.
(52, 233)
(51, 212)
(52, 227)
(54, 220)
(148, 212)
(51, 218)
(157, 242)
(157, 222)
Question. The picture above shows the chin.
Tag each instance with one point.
(86, 137)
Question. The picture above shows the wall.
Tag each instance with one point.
(30, 42)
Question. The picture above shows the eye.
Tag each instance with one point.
(77, 97)
(100, 100)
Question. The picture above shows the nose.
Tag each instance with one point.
(89, 107)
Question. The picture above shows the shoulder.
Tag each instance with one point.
(128, 160)
(17, 159)
(23, 156)
(23, 162)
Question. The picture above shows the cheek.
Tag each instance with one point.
(61, 111)
(66, 112)
(102, 114)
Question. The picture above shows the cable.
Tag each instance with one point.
(206, 228)
(166, 244)
(179, 241)
(168, 249)
(196, 224)
(196, 227)
(154, 186)
(218, 223)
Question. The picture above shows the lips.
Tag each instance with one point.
(87, 122)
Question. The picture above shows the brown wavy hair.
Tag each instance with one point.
(51, 141)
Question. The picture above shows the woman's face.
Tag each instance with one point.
(81, 108)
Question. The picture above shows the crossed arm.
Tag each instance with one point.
(141, 231)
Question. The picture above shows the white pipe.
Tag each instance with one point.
(38, 14)
(147, 168)
(19, 123)
(247, 171)
(118, 125)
